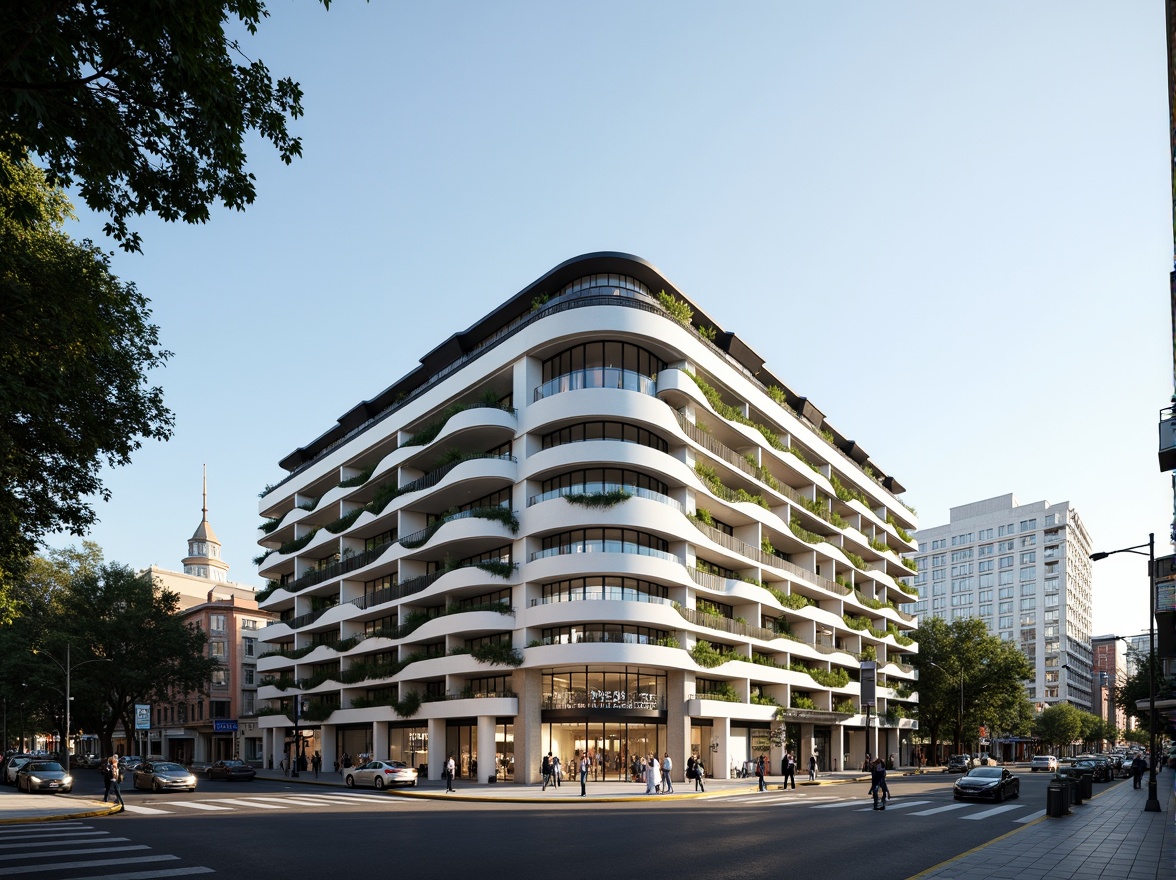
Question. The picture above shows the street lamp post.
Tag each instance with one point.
(1153, 800)
(68, 669)
(960, 725)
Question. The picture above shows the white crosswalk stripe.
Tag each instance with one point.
(945, 809)
(975, 812)
(74, 848)
(1024, 819)
(900, 805)
(995, 811)
(262, 802)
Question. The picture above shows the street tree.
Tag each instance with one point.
(143, 106)
(1059, 726)
(105, 612)
(74, 355)
(1136, 689)
(969, 679)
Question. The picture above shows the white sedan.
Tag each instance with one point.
(1044, 762)
(380, 773)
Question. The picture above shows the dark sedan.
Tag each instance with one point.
(231, 770)
(987, 783)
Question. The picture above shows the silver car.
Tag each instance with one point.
(37, 775)
(380, 773)
(164, 775)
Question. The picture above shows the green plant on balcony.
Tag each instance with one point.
(899, 530)
(876, 604)
(708, 656)
(296, 544)
(270, 525)
(359, 479)
(824, 677)
(734, 414)
(899, 637)
(904, 691)
(344, 522)
(869, 652)
(703, 516)
(828, 437)
(859, 624)
(258, 560)
(764, 660)
(308, 504)
(909, 589)
(409, 706)
(801, 532)
(758, 698)
(497, 567)
(796, 601)
(497, 654)
(911, 564)
(782, 626)
(766, 546)
(270, 710)
(538, 301)
(880, 545)
(855, 560)
(846, 494)
(675, 308)
(598, 499)
(800, 701)
(846, 707)
(668, 642)
(708, 333)
(266, 591)
(318, 710)
(893, 714)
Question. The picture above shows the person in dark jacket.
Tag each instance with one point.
(112, 776)
(878, 786)
(1138, 766)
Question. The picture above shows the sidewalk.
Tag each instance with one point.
(1109, 837)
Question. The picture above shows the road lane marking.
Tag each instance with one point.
(150, 875)
(258, 805)
(104, 839)
(994, 811)
(289, 800)
(946, 809)
(901, 805)
(77, 852)
(195, 805)
(856, 803)
(145, 811)
(1030, 817)
(90, 863)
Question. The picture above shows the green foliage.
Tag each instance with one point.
(599, 499)
(869, 652)
(846, 707)
(800, 701)
(825, 677)
(709, 656)
(708, 333)
(721, 690)
(76, 348)
(766, 546)
(538, 301)
(678, 310)
(765, 660)
(296, 544)
(804, 534)
(913, 566)
(704, 516)
(343, 522)
(704, 607)
(668, 642)
(498, 654)
(846, 494)
(795, 601)
(359, 479)
(879, 545)
(871, 603)
(734, 414)
(270, 525)
(761, 699)
(857, 561)
(144, 108)
(497, 567)
(899, 530)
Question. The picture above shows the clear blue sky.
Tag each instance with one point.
(947, 224)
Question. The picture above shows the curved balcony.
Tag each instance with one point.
(597, 377)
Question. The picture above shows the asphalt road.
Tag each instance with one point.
(280, 830)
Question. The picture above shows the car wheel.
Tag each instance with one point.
(155, 786)
(999, 795)
(378, 782)
(350, 780)
(414, 782)
(1017, 790)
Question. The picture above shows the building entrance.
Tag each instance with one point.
(612, 747)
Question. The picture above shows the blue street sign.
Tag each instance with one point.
(223, 726)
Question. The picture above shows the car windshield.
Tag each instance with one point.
(992, 772)
(233, 763)
(44, 766)
(400, 765)
(167, 768)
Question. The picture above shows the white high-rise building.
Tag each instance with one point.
(1025, 570)
(592, 524)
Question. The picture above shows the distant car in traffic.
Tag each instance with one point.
(1044, 762)
(987, 783)
(38, 775)
(959, 764)
(129, 762)
(163, 775)
(12, 765)
(231, 770)
(381, 773)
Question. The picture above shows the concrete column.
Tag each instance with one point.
(718, 763)
(677, 723)
(380, 741)
(528, 723)
(437, 755)
(485, 748)
(838, 762)
(330, 747)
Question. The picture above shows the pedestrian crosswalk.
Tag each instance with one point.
(332, 800)
(908, 806)
(82, 851)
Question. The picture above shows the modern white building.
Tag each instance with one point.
(592, 523)
(1025, 570)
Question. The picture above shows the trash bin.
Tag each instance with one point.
(1057, 798)
(1086, 783)
(492, 778)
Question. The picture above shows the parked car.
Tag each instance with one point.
(1099, 770)
(988, 783)
(128, 763)
(13, 764)
(1044, 762)
(959, 764)
(38, 775)
(381, 773)
(163, 775)
(231, 770)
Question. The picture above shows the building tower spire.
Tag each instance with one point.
(204, 550)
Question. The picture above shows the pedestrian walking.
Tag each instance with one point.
(585, 762)
(316, 764)
(667, 771)
(878, 787)
(545, 770)
(790, 769)
(812, 768)
(699, 776)
(759, 773)
(555, 770)
(112, 776)
(450, 770)
(1138, 766)
(651, 775)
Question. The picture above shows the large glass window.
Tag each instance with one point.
(605, 587)
(620, 431)
(604, 364)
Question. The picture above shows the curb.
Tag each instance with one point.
(104, 810)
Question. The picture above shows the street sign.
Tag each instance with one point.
(869, 678)
(224, 725)
(142, 717)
